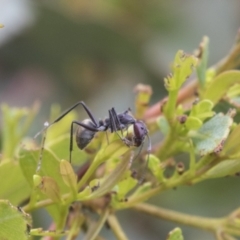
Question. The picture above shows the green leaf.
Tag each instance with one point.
(109, 181)
(175, 234)
(50, 188)
(182, 68)
(15, 123)
(224, 168)
(60, 147)
(28, 162)
(212, 134)
(199, 112)
(193, 123)
(50, 167)
(219, 86)
(231, 146)
(142, 189)
(14, 186)
(205, 105)
(14, 223)
(202, 109)
(85, 193)
(234, 91)
(156, 168)
(69, 176)
(124, 186)
(113, 150)
(163, 125)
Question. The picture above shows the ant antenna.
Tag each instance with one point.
(149, 149)
(44, 130)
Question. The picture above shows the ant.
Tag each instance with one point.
(115, 122)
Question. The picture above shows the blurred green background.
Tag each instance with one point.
(97, 51)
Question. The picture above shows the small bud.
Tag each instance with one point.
(134, 174)
(180, 168)
(37, 180)
(182, 119)
(143, 95)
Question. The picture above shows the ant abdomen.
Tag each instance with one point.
(83, 135)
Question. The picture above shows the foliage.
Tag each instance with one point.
(43, 178)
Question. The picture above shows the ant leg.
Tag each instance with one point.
(114, 129)
(89, 113)
(113, 124)
(116, 119)
(90, 128)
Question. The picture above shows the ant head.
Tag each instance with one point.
(140, 132)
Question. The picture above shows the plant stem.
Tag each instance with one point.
(63, 216)
(210, 224)
(171, 105)
(116, 228)
(94, 231)
(88, 174)
(40, 232)
(187, 177)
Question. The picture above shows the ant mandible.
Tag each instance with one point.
(115, 122)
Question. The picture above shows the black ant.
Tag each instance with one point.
(115, 122)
